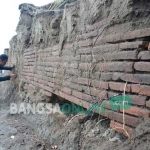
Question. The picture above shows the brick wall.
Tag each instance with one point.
(95, 64)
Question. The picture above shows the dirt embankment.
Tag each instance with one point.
(45, 132)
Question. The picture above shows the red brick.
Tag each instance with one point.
(40, 85)
(148, 103)
(106, 104)
(117, 76)
(108, 39)
(98, 93)
(111, 94)
(134, 78)
(76, 100)
(135, 88)
(145, 78)
(30, 78)
(101, 49)
(88, 35)
(86, 89)
(106, 76)
(53, 58)
(120, 37)
(129, 120)
(119, 86)
(67, 52)
(136, 111)
(72, 99)
(68, 46)
(131, 78)
(82, 96)
(29, 63)
(141, 89)
(49, 79)
(31, 74)
(86, 58)
(66, 90)
(124, 55)
(119, 128)
(72, 85)
(50, 84)
(42, 82)
(60, 93)
(50, 74)
(47, 88)
(61, 71)
(84, 50)
(35, 84)
(84, 81)
(85, 66)
(85, 43)
(115, 66)
(49, 69)
(89, 74)
(72, 71)
(142, 66)
(130, 45)
(41, 68)
(74, 79)
(137, 34)
(75, 58)
(57, 81)
(138, 100)
(29, 51)
(118, 28)
(126, 77)
(94, 75)
(100, 84)
(77, 94)
(144, 55)
(86, 74)
(30, 59)
(87, 97)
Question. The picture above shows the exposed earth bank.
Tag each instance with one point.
(58, 131)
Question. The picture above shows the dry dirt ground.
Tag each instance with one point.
(15, 134)
(20, 132)
(42, 132)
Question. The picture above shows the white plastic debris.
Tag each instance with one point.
(54, 147)
(12, 137)
(114, 139)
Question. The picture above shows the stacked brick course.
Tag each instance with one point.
(94, 65)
